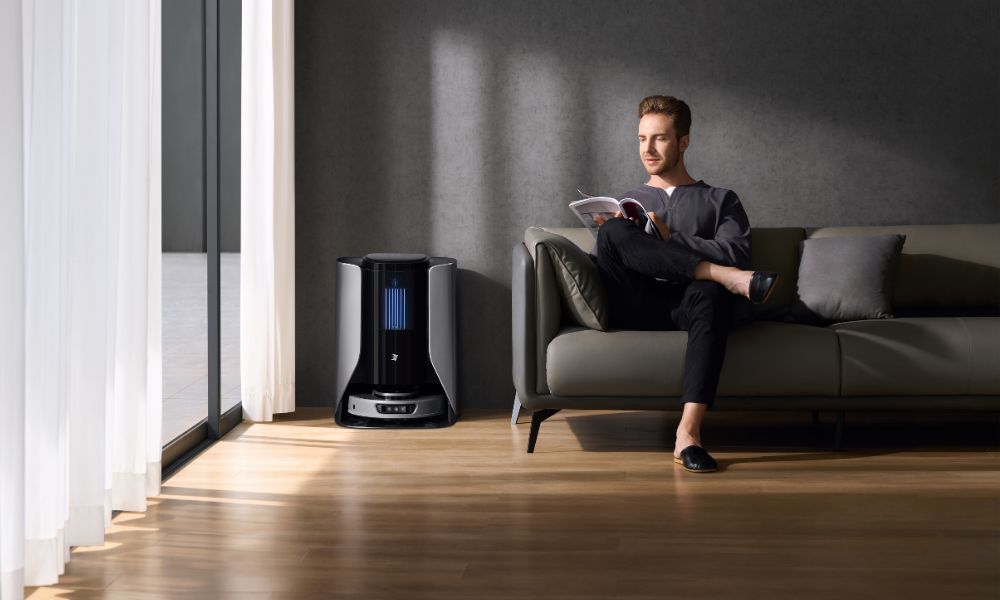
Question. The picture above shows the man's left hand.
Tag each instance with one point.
(660, 225)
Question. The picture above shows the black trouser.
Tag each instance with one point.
(630, 261)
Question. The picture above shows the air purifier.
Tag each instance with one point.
(395, 333)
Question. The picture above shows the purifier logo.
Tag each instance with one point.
(394, 357)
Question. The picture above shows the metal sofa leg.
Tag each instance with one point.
(838, 437)
(517, 410)
(536, 421)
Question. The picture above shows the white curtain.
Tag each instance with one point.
(11, 304)
(267, 223)
(84, 250)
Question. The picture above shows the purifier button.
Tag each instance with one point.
(396, 409)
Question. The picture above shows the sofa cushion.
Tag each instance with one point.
(845, 278)
(762, 359)
(948, 270)
(576, 275)
(920, 356)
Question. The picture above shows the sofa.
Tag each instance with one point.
(940, 350)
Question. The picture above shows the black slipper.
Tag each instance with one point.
(696, 460)
(761, 286)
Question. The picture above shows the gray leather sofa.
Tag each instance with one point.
(941, 351)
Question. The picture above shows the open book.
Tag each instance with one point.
(589, 208)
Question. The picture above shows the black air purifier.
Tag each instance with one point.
(395, 341)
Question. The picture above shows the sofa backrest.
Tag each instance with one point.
(943, 270)
(772, 249)
(777, 249)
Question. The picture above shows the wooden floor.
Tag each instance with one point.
(301, 508)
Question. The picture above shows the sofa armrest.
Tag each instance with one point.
(536, 318)
(522, 285)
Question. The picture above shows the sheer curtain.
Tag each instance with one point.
(11, 304)
(267, 210)
(81, 248)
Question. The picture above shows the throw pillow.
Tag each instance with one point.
(579, 282)
(846, 278)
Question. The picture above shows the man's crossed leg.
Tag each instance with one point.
(653, 285)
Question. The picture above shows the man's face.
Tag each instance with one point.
(659, 148)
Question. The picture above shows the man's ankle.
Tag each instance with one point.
(683, 442)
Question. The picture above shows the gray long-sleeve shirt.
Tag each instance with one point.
(709, 221)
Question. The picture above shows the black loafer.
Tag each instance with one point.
(696, 460)
(761, 286)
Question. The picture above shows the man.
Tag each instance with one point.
(695, 279)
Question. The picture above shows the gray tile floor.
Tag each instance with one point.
(185, 338)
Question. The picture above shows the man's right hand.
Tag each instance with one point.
(660, 226)
(601, 219)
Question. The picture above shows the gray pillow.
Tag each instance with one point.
(846, 278)
(579, 282)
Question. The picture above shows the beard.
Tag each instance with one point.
(664, 166)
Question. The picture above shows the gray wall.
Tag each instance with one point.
(183, 66)
(449, 127)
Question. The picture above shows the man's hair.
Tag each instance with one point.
(670, 106)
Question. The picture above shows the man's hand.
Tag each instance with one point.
(660, 225)
(600, 219)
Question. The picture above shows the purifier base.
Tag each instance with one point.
(375, 406)
(346, 419)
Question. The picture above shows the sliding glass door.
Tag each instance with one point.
(201, 222)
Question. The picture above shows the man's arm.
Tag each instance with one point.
(731, 246)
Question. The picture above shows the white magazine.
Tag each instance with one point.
(588, 208)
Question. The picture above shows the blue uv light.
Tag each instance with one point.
(394, 308)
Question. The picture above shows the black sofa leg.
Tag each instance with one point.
(838, 437)
(815, 418)
(536, 421)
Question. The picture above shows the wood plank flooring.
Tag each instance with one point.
(301, 508)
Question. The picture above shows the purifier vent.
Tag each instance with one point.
(394, 308)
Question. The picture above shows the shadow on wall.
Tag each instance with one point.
(484, 363)
(450, 129)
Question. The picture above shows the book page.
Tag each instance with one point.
(588, 208)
